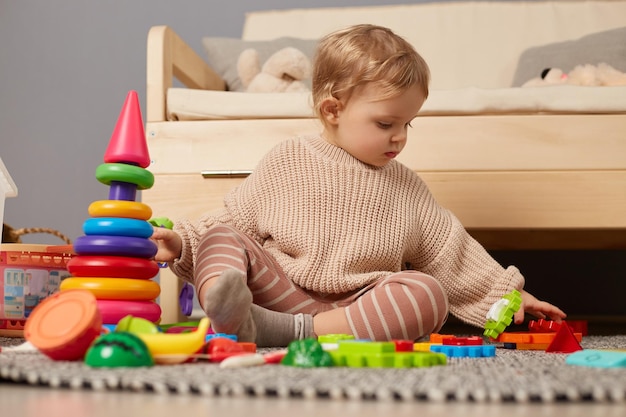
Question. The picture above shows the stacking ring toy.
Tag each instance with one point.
(117, 226)
(115, 246)
(142, 178)
(112, 266)
(113, 311)
(120, 208)
(114, 288)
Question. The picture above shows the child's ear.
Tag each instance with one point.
(331, 107)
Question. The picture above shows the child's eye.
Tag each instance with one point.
(408, 125)
(384, 125)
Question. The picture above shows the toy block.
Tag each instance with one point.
(564, 341)
(597, 358)
(465, 351)
(232, 337)
(541, 325)
(500, 315)
(530, 346)
(403, 345)
(529, 341)
(525, 337)
(462, 341)
(220, 348)
(356, 346)
(422, 346)
(334, 338)
(438, 338)
(378, 355)
(331, 341)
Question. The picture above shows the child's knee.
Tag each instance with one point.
(433, 298)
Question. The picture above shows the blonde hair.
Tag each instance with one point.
(361, 54)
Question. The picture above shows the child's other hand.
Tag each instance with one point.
(169, 244)
(537, 308)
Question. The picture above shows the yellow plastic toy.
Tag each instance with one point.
(171, 348)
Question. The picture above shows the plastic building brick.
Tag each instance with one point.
(462, 341)
(564, 341)
(331, 341)
(500, 315)
(465, 351)
(438, 338)
(232, 337)
(525, 337)
(334, 338)
(541, 325)
(363, 354)
(422, 346)
(528, 340)
(219, 348)
(403, 345)
(597, 358)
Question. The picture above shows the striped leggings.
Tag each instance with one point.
(404, 305)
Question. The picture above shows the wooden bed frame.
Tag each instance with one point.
(533, 181)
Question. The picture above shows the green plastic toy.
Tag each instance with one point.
(306, 353)
(118, 349)
(500, 314)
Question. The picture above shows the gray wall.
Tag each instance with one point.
(65, 69)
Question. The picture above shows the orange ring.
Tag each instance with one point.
(114, 288)
(120, 208)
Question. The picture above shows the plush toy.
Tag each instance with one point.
(284, 71)
(587, 75)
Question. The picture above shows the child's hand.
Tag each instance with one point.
(539, 309)
(169, 244)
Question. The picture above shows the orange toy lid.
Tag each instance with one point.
(61, 319)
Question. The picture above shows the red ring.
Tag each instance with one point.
(112, 266)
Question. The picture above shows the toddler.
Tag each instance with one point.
(330, 234)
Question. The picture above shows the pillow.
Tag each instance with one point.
(223, 53)
(607, 46)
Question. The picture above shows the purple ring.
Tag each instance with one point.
(115, 246)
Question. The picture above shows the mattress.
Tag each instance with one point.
(190, 104)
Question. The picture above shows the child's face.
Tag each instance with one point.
(372, 130)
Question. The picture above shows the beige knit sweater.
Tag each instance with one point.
(335, 224)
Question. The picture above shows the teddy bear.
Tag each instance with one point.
(284, 71)
(586, 75)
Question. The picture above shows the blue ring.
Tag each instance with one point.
(117, 226)
(115, 246)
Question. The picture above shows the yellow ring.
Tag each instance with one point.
(120, 208)
(114, 288)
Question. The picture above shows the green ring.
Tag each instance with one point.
(142, 178)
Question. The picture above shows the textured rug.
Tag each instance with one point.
(510, 376)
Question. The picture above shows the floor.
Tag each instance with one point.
(26, 401)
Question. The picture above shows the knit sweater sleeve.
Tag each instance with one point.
(472, 279)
